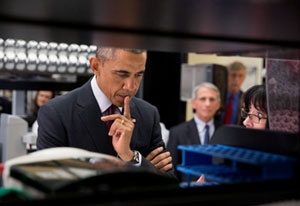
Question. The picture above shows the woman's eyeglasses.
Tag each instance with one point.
(253, 117)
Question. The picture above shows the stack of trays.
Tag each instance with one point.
(225, 164)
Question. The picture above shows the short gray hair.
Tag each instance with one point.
(236, 66)
(207, 85)
(108, 53)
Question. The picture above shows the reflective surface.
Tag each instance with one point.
(193, 25)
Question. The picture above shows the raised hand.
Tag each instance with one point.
(121, 131)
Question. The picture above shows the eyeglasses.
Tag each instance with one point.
(253, 117)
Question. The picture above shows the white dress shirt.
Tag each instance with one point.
(201, 128)
(102, 100)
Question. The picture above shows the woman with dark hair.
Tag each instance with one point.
(255, 108)
(254, 113)
(42, 96)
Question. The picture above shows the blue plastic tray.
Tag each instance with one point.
(236, 165)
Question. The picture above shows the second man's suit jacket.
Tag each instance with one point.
(73, 120)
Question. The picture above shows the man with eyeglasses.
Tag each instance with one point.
(199, 130)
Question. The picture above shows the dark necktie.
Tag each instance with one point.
(206, 135)
(228, 112)
(111, 110)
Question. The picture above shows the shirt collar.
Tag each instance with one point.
(102, 100)
(201, 125)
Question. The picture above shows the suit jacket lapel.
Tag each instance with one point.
(194, 134)
(90, 115)
(217, 124)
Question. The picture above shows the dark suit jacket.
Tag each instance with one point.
(238, 115)
(74, 120)
(239, 118)
(185, 133)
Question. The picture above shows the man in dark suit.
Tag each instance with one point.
(83, 117)
(205, 102)
(236, 77)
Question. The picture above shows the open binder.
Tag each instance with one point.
(86, 173)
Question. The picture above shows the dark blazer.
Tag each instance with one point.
(185, 133)
(73, 120)
(238, 115)
(241, 104)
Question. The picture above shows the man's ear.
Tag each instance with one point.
(219, 105)
(94, 64)
(193, 103)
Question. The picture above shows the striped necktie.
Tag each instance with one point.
(111, 110)
(206, 135)
(228, 112)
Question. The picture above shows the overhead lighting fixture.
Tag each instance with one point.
(1, 59)
(84, 49)
(43, 47)
(53, 62)
(73, 54)
(32, 46)
(72, 64)
(43, 62)
(82, 64)
(1, 43)
(9, 45)
(32, 61)
(42, 54)
(45, 57)
(62, 57)
(92, 51)
(1, 53)
(52, 48)
(20, 51)
(63, 63)
(21, 61)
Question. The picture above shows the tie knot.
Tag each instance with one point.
(111, 109)
(206, 126)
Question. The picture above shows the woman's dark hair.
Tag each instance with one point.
(35, 107)
(257, 96)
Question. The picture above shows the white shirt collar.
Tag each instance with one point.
(201, 128)
(102, 100)
(201, 125)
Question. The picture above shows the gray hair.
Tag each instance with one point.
(108, 53)
(236, 66)
(207, 85)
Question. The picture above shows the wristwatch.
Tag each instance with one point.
(136, 158)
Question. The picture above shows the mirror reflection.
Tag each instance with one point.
(195, 96)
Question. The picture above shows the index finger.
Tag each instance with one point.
(111, 117)
(127, 107)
